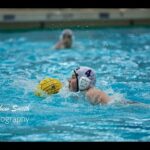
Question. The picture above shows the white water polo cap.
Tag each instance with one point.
(66, 32)
(86, 78)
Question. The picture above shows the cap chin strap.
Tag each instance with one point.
(84, 83)
(77, 80)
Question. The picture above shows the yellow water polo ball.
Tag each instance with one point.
(48, 86)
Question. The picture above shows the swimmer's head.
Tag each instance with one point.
(48, 86)
(82, 79)
(67, 38)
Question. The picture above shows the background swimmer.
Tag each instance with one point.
(84, 79)
(66, 40)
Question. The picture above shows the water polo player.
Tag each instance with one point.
(66, 40)
(84, 79)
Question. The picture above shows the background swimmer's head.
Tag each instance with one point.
(67, 38)
(82, 79)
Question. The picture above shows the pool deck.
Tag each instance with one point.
(62, 18)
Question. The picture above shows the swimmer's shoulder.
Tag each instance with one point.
(59, 45)
(98, 95)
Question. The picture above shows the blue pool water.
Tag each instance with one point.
(121, 58)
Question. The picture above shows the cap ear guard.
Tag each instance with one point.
(84, 83)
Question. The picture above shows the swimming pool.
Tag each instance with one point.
(121, 58)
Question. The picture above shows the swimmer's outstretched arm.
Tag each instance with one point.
(130, 102)
(139, 104)
(126, 101)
